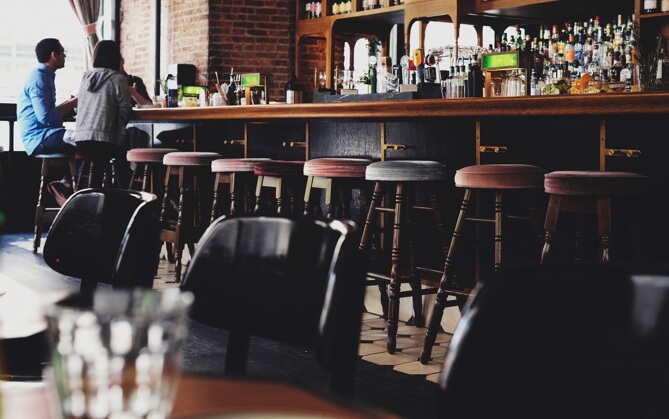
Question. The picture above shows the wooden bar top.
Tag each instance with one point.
(562, 105)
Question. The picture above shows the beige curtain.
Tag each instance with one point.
(87, 12)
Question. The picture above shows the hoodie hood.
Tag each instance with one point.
(93, 79)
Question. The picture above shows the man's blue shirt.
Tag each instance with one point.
(36, 111)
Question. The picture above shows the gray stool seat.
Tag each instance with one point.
(405, 171)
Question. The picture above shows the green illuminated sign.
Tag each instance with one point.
(501, 61)
(251, 79)
(192, 90)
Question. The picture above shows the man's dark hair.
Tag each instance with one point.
(107, 54)
(45, 47)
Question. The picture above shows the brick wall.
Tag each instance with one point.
(215, 36)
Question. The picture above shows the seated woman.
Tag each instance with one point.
(104, 108)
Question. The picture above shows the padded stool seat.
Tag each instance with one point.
(405, 171)
(590, 192)
(149, 168)
(279, 168)
(190, 158)
(235, 165)
(236, 173)
(336, 176)
(500, 176)
(273, 174)
(336, 167)
(502, 180)
(191, 168)
(148, 155)
(584, 183)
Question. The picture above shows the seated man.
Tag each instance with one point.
(40, 119)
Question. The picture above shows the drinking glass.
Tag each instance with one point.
(116, 354)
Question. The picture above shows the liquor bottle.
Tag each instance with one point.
(664, 6)
(569, 51)
(372, 78)
(649, 6)
(318, 9)
(616, 68)
(307, 9)
(293, 90)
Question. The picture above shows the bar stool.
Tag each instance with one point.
(335, 176)
(237, 174)
(44, 214)
(91, 165)
(404, 175)
(499, 179)
(273, 174)
(190, 168)
(148, 172)
(591, 192)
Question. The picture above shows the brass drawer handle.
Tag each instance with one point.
(622, 152)
(492, 149)
(396, 147)
(295, 144)
(234, 142)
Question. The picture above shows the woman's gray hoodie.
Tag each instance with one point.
(104, 107)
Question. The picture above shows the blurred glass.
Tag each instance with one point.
(117, 354)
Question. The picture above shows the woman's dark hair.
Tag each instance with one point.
(45, 47)
(107, 54)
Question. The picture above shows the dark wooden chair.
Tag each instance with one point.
(294, 280)
(106, 235)
(562, 342)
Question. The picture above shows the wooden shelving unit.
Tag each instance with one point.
(495, 13)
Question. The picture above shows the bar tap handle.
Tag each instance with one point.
(622, 152)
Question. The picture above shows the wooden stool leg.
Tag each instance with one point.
(499, 220)
(366, 239)
(329, 206)
(604, 226)
(72, 163)
(307, 195)
(446, 282)
(178, 243)
(233, 193)
(214, 202)
(256, 209)
(395, 277)
(552, 213)
(39, 209)
(414, 279)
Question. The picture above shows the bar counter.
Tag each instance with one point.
(562, 105)
(612, 132)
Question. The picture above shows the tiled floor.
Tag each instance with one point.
(372, 337)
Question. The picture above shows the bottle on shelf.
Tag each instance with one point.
(664, 6)
(294, 90)
(649, 6)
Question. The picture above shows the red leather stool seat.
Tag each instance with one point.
(235, 165)
(336, 167)
(500, 176)
(190, 158)
(589, 183)
(405, 171)
(148, 155)
(279, 168)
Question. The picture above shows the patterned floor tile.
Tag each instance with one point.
(369, 349)
(416, 351)
(384, 358)
(416, 368)
(402, 343)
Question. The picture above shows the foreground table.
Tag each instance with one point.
(205, 396)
